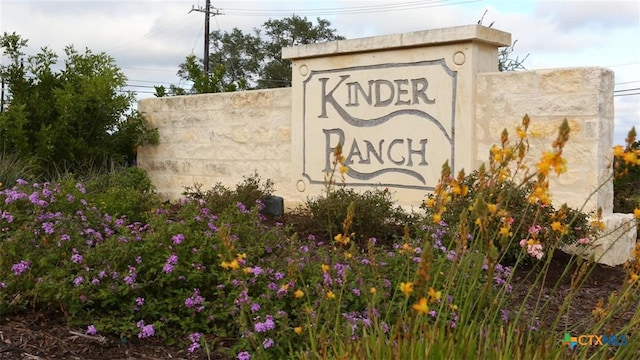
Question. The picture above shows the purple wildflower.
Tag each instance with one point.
(78, 280)
(177, 239)
(242, 207)
(91, 330)
(265, 326)
(76, 258)
(145, 330)
(267, 343)
(20, 267)
(244, 356)
(255, 307)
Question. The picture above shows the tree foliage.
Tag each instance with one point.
(72, 118)
(241, 61)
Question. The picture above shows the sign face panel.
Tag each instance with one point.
(395, 123)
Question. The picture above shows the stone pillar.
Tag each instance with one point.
(401, 105)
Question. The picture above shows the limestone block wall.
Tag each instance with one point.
(584, 96)
(213, 138)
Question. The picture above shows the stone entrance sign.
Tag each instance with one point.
(396, 129)
(400, 106)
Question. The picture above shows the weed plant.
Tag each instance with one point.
(218, 280)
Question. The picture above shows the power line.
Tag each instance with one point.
(412, 5)
(634, 89)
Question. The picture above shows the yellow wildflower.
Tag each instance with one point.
(492, 208)
(545, 163)
(234, 265)
(630, 158)
(347, 255)
(325, 268)
(636, 213)
(557, 226)
(406, 288)
(504, 231)
(618, 151)
(341, 239)
(247, 270)
(430, 202)
(598, 224)
(241, 256)
(331, 295)
(373, 290)
(298, 294)
(421, 307)
(230, 265)
(437, 218)
(434, 295)
(297, 330)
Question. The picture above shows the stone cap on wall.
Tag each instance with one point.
(457, 34)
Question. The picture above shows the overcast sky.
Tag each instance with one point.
(150, 38)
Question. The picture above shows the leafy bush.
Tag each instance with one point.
(626, 180)
(508, 206)
(220, 197)
(513, 217)
(375, 215)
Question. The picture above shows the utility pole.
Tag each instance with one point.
(207, 16)
(2, 97)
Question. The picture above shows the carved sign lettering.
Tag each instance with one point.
(395, 123)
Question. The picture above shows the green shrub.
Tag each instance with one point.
(220, 197)
(374, 215)
(508, 205)
(626, 182)
(124, 192)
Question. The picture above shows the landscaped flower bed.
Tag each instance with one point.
(224, 281)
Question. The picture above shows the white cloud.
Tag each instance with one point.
(150, 38)
(602, 15)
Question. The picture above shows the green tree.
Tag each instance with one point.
(252, 60)
(78, 117)
(295, 30)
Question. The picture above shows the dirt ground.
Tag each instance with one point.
(45, 335)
